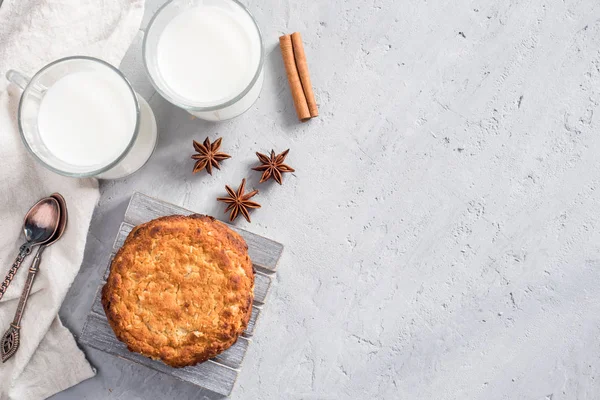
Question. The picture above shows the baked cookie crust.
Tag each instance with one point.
(180, 289)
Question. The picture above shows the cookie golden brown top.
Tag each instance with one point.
(180, 289)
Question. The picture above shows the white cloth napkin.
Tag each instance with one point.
(33, 33)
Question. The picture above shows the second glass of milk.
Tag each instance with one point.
(80, 117)
(205, 56)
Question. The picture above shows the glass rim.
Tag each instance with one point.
(215, 107)
(112, 163)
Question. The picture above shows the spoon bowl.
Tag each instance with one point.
(62, 222)
(41, 221)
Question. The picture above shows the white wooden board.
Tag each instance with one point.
(220, 373)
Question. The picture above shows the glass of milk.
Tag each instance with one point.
(205, 56)
(80, 117)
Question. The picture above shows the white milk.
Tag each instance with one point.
(87, 118)
(208, 54)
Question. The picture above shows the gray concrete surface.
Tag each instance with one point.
(442, 228)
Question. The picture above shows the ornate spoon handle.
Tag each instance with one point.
(10, 340)
(23, 252)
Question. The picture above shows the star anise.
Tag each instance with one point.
(238, 202)
(273, 166)
(208, 155)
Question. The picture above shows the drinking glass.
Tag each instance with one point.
(236, 104)
(135, 155)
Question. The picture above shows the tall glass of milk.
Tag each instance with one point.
(205, 56)
(80, 117)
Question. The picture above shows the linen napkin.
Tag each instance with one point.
(32, 34)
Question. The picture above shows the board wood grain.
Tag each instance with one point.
(210, 374)
(220, 373)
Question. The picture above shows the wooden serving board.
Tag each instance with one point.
(220, 373)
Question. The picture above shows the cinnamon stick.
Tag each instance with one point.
(287, 52)
(302, 67)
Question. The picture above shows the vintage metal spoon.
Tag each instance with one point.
(10, 340)
(40, 224)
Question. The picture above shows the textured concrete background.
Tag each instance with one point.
(441, 229)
